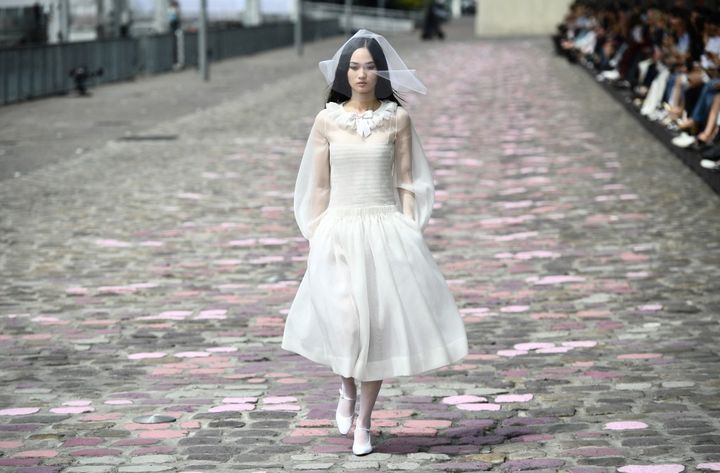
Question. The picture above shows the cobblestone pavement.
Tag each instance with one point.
(153, 278)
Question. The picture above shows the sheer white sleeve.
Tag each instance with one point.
(413, 176)
(312, 187)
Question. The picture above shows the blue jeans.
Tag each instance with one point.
(702, 107)
(669, 87)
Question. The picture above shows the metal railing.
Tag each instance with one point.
(29, 72)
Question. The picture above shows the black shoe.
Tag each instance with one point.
(700, 145)
(712, 153)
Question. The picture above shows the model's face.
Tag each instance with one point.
(362, 73)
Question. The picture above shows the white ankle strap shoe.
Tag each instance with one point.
(362, 449)
(344, 423)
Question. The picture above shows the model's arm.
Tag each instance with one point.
(320, 185)
(403, 163)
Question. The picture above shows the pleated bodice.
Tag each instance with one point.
(361, 174)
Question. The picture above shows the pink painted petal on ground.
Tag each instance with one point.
(174, 314)
(513, 398)
(239, 400)
(162, 434)
(650, 307)
(481, 356)
(118, 402)
(142, 356)
(554, 350)
(36, 454)
(312, 432)
(48, 320)
(72, 410)
(660, 468)
(10, 444)
(279, 400)
(511, 352)
(232, 408)
(709, 466)
(19, 411)
(479, 407)
(532, 345)
(192, 354)
(474, 310)
(116, 290)
(76, 291)
(391, 414)
(515, 308)
(560, 279)
(625, 425)
(639, 356)
(203, 316)
(428, 424)
(465, 399)
(272, 241)
(292, 381)
(580, 344)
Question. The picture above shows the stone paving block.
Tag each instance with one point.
(407, 465)
(313, 466)
(90, 469)
(100, 460)
(364, 465)
(144, 459)
(145, 468)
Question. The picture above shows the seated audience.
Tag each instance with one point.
(666, 54)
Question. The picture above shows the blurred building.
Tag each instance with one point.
(25, 22)
(518, 17)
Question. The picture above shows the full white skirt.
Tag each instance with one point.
(373, 304)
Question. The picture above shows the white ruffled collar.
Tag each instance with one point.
(362, 123)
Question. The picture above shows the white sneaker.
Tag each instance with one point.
(712, 165)
(610, 75)
(683, 141)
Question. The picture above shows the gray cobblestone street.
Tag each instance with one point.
(153, 277)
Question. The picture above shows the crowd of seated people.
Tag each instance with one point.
(666, 53)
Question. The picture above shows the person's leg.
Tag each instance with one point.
(711, 127)
(369, 391)
(677, 97)
(701, 108)
(345, 406)
(669, 88)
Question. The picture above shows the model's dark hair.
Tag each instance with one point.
(340, 90)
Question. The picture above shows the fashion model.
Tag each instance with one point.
(372, 304)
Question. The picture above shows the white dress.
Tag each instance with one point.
(372, 304)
